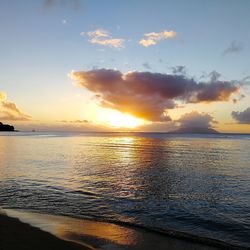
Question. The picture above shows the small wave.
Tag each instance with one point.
(81, 192)
(172, 233)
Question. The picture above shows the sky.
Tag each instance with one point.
(141, 65)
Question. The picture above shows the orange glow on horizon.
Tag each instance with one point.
(120, 120)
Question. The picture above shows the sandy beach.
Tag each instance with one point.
(25, 230)
(17, 235)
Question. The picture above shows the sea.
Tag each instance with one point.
(198, 185)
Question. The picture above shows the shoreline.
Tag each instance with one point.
(102, 235)
(15, 234)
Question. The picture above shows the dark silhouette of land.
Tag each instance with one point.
(195, 130)
(6, 127)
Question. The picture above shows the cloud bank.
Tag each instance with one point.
(242, 117)
(9, 110)
(153, 38)
(196, 120)
(149, 95)
(103, 37)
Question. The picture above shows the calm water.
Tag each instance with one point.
(194, 184)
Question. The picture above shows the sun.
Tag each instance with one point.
(120, 120)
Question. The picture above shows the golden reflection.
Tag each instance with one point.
(76, 229)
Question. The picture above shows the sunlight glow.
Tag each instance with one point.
(120, 120)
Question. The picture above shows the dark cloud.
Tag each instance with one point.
(148, 95)
(233, 48)
(242, 117)
(215, 91)
(196, 120)
(146, 65)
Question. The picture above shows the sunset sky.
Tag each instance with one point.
(138, 65)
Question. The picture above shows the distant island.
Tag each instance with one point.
(6, 127)
(195, 130)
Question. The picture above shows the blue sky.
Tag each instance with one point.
(41, 44)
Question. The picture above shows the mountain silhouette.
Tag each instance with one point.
(195, 130)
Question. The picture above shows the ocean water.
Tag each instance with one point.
(196, 184)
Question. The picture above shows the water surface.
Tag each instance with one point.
(196, 184)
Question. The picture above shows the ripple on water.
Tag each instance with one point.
(197, 184)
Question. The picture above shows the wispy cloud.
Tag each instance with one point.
(233, 48)
(146, 65)
(10, 111)
(214, 75)
(148, 95)
(103, 37)
(238, 98)
(153, 38)
(180, 69)
(246, 80)
(74, 121)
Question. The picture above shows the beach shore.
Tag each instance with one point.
(25, 230)
(15, 234)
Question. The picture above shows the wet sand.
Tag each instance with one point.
(59, 232)
(15, 235)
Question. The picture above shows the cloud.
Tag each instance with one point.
(242, 117)
(153, 37)
(196, 120)
(214, 75)
(245, 80)
(233, 48)
(157, 127)
(2, 96)
(148, 95)
(179, 70)
(96, 33)
(146, 65)
(239, 98)
(10, 116)
(74, 121)
(103, 37)
(9, 110)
